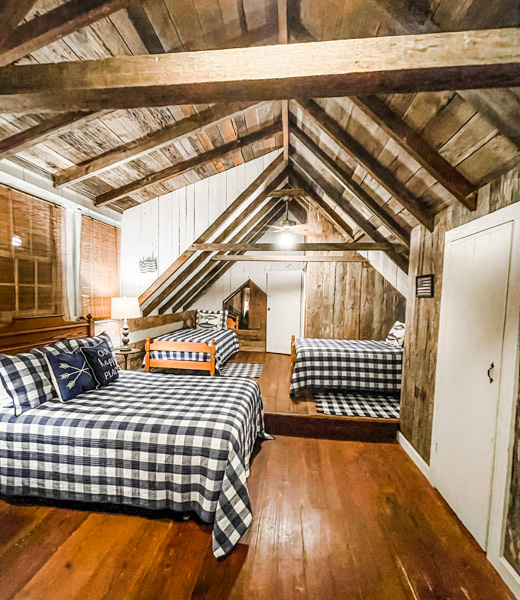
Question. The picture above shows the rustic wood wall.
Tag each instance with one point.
(422, 315)
(348, 300)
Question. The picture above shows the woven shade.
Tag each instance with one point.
(31, 254)
(99, 267)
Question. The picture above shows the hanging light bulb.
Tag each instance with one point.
(286, 240)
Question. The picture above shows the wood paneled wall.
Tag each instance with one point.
(422, 315)
(348, 300)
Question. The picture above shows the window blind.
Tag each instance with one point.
(99, 267)
(31, 255)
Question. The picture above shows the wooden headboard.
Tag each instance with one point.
(24, 333)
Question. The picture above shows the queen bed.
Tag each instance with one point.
(154, 441)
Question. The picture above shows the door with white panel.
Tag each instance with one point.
(284, 290)
(473, 315)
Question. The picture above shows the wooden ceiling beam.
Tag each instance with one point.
(286, 258)
(419, 149)
(39, 134)
(264, 179)
(394, 64)
(283, 38)
(360, 193)
(55, 24)
(11, 13)
(187, 165)
(305, 170)
(204, 259)
(155, 141)
(301, 247)
(213, 272)
(341, 225)
(354, 149)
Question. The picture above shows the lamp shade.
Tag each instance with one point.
(125, 308)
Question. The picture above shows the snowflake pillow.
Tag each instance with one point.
(70, 374)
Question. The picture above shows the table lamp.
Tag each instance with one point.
(125, 308)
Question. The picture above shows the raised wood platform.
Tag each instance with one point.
(286, 416)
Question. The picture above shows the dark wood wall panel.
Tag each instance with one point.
(348, 300)
(422, 315)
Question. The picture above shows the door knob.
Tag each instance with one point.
(491, 367)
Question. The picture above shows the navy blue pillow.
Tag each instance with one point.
(70, 374)
(102, 362)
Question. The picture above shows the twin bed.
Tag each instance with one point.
(148, 440)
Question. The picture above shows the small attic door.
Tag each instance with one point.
(249, 304)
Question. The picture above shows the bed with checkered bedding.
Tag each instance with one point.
(155, 441)
(355, 365)
(226, 345)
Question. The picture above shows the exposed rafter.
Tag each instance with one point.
(38, 134)
(283, 38)
(55, 24)
(300, 247)
(155, 141)
(11, 13)
(419, 149)
(217, 272)
(395, 64)
(287, 258)
(360, 193)
(148, 299)
(187, 165)
(185, 283)
(354, 149)
(306, 171)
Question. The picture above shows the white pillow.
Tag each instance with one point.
(396, 335)
(212, 319)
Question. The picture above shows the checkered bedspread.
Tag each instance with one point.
(149, 440)
(356, 365)
(226, 341)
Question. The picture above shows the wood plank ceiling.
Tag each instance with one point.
(386, 163)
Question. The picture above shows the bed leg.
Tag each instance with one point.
(293, 353)
(147, 355)
(212, 360)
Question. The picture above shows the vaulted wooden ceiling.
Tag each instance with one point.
(382, 163)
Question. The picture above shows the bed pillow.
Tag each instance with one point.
(26, 376)
(396, 335)
(212, 319)
(70, 374)
(5, 400)
(90, 342)
(102, 363)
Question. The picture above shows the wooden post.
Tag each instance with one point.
(212, 368)
(147, 354)
(293, 354)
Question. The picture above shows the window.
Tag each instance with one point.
(99, 267)
(31, 250)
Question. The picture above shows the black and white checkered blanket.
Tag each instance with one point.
(350, 404)
(233, 369)
(226, 341)
(356, 365)
(151, 440)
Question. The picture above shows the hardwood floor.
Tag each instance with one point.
(332, 520)
(289, 416)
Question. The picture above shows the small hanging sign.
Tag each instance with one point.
(148, 264)
(424, 286)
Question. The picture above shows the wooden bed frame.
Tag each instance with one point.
(293, 354)
(167, 346)
(23, 333)
(164, 346)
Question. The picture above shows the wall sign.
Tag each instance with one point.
(424, 285)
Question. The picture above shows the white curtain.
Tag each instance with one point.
(71, 249)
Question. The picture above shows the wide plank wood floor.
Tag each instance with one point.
(332, 520)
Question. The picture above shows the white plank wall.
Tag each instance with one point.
(167, 225)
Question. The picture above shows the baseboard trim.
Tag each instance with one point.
(507, 573)
(418, 460)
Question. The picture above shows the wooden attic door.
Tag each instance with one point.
(249, 304)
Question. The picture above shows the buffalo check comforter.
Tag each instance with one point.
(226, 341)
(150, 440)
(349, 365)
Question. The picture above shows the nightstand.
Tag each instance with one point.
(126, 354)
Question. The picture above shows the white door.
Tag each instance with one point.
(473, 314)
(283, 309)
